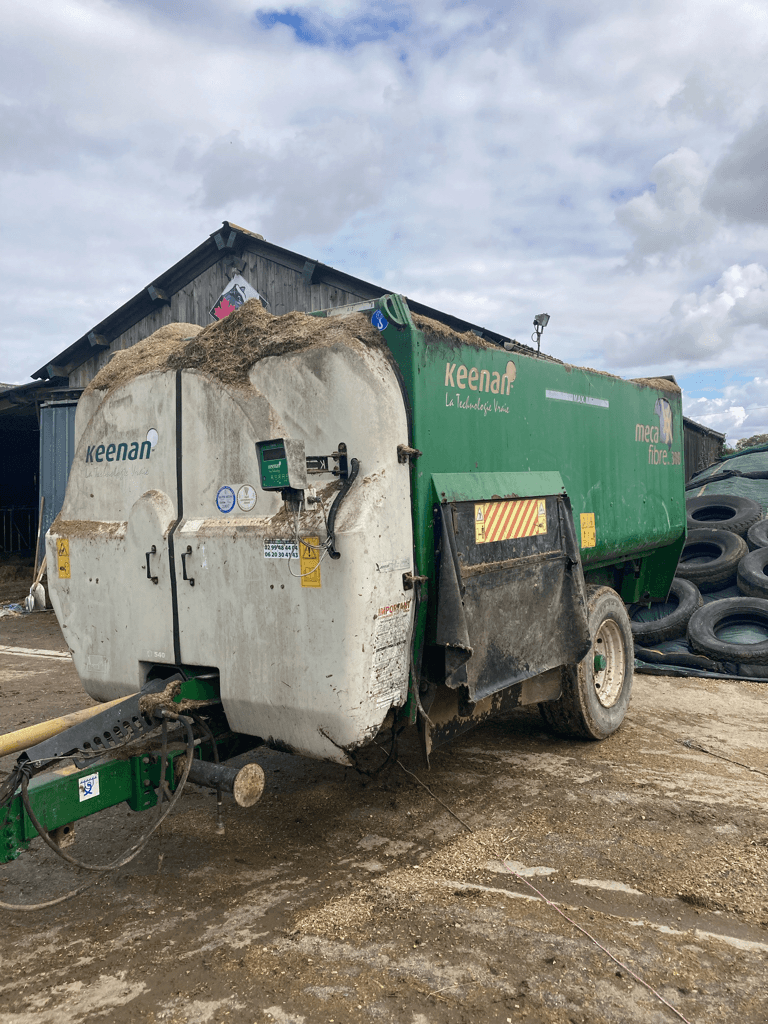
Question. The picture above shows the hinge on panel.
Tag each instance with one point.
(410, 578)
(404, 453)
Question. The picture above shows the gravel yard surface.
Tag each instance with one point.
(342, 899)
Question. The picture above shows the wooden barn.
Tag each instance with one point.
(703, 446)
(186, 293)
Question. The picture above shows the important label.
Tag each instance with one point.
(62, 557)
(88, 786)
(390, 653)
(508, 520)
(588, 533)
(309, 561)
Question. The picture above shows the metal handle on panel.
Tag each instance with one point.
(152, 551)
(184, 576)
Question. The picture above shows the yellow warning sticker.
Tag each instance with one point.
(309, 561)
(588, 534)
(62, 555)
(508, 520)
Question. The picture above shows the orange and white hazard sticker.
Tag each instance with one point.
(508, 520)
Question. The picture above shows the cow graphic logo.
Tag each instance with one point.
(664, 411)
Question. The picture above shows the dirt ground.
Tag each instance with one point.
(337, 899)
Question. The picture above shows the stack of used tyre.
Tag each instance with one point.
(716, 616)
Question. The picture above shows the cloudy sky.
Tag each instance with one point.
(606, 163)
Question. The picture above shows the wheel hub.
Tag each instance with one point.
(608, 672)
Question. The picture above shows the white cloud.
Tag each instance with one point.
(738, 186)
(670, 217)
(728, 319)
(738, 299)
(477, 156)
(741, 411)
(725, 324)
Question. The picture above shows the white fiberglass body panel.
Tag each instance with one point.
(120, 501)
(311, 664)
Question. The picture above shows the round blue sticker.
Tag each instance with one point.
(379, 321)
(225, 499)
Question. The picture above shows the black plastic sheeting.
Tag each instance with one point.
(744, 474)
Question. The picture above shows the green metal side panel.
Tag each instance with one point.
(617, 445)
(480, 486)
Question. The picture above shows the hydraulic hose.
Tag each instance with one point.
(354, 469)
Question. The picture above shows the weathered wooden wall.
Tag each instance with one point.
(701, 447)
(283, 287)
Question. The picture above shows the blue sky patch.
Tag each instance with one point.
(344, 34)
(623, 195)
(302, 28)
(710, 383)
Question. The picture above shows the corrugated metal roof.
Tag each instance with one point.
(33, 390)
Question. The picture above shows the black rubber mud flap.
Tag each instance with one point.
(452, 632)
(451, 714)
(511, 603)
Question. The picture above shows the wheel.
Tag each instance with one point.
(747, 615)
(757, 535)
(710, 558)
(723, 512)
(752, 577)
(596, 692)
(672, 614)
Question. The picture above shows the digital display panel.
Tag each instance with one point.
(269, 454)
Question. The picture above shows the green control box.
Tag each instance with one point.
(282, 463)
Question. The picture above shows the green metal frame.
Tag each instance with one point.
(55, 795)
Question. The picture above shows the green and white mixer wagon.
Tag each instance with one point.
(304, 530)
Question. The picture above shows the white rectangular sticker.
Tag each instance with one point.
(280, 548)
(192, 526)
(399, 565)
(565, 396)
(88, 786)
(390, 653)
